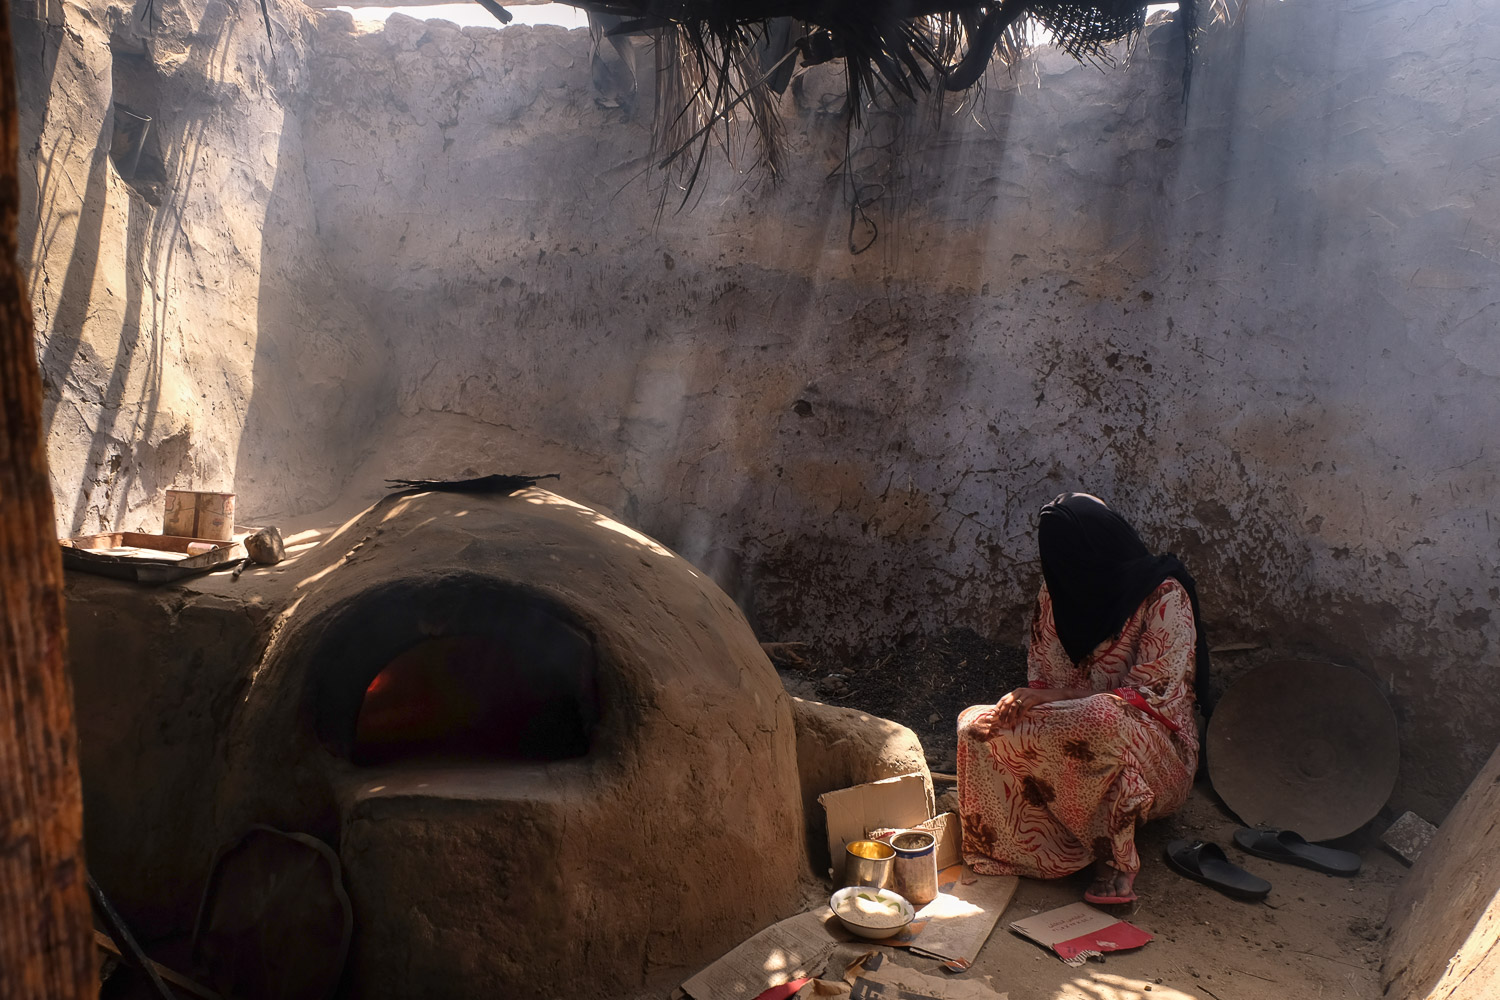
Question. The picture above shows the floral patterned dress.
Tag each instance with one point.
(1069, 783)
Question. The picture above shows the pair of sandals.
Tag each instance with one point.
(1205, 862)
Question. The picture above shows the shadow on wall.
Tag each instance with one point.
(65, 331)
(126, 252)
(163, 175)
(107, 448)
(322, 376)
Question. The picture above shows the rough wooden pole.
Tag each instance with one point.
(45, 931)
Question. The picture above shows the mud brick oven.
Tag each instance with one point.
(541, 743)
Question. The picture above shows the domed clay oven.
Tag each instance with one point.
(551, 753)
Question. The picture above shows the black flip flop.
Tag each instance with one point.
(1289, 847)
(1206, 863)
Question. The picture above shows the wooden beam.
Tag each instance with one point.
(45, 932)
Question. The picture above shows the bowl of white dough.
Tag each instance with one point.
(870, 912)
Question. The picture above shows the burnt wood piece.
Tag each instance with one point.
(106, 944)
(500, 13)
(45, 950)
(120, 934)
(484, 484)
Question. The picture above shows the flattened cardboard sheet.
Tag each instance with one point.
(955, 925)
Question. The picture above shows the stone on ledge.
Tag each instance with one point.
(840, 747)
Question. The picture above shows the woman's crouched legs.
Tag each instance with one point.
(1063, 788)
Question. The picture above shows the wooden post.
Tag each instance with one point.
(45, 929)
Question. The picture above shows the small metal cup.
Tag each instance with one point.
(868, 862)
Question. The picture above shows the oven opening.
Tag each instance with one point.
(458, 676)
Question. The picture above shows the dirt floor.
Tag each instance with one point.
(1315, 936)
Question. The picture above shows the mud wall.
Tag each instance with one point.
(1443, 939)
(180, 293)
(1258, 322)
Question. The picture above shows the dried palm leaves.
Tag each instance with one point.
(720, 62)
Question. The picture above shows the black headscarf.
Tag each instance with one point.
(1099, 572)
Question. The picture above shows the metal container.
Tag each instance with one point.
(915, 868)
(195, 514)
(868, 862)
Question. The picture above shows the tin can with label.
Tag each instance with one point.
(916, 874)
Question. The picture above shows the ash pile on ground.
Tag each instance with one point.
(922, 682)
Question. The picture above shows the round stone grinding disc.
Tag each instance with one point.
(1303, 745)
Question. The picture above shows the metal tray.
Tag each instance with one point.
(135, 555)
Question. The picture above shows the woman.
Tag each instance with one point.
(1058, 774)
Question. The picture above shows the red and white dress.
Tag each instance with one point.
(1069, 783)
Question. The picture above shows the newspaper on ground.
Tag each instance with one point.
(860, 972)
(889, 981)
(795, 948)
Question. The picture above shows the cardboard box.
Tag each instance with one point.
(198, 514)
(853, 813)
(945, 826)
(880, 808)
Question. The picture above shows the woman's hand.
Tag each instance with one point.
(1009, 710)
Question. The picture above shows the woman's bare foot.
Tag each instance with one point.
(1110, 885)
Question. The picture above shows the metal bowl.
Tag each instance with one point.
(877, 927)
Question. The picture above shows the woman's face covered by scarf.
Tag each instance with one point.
(1097, 569)
(1099, 572)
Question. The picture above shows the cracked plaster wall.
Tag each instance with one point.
(1260, 324)
(190, 327)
